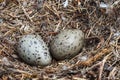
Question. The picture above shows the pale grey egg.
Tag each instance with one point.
(67, 44)
(33, 50)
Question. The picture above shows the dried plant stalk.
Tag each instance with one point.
(91, 60)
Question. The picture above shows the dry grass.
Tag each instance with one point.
(101, 28)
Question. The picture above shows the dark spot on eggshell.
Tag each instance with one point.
(45, 49)
(31, 43)
(61, 43)
(36, 47)
(68, 46)
(39, 58)
(28, 54)
(35, 36)
(23, 50)
(75, 47)
(35, 42)
(20, 46)
(43, 46)
(45, 53)
(68, 55)
(75, 37)
(28, 58)
(67, 38)
(37, 51)
(22, 41)
(38, 54)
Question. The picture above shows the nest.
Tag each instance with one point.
(99, 59)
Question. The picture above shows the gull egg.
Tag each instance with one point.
(67, 44)
(33, 50)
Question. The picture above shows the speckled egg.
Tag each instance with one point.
(33, 50)
(67, 44)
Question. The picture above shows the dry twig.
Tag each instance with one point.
(92, 59)
(27, 15)
(102, 66)
(112, 74)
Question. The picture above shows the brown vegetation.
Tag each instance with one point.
(99, 59)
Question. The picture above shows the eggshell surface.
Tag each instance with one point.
(67, 44)
(33, 50)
